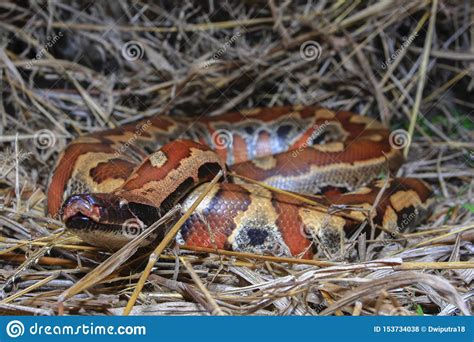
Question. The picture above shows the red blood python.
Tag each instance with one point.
(108, 186)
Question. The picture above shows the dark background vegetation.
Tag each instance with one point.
(189, 64)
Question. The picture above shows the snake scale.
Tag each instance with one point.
(108, 182)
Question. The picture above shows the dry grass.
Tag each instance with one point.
(211, 58)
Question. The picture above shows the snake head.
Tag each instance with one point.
(105, 219)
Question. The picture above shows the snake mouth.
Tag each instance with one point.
(80, 222)
(106, 217)
(88, 211)
(80, 208)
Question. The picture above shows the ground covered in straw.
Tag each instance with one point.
(72, 67)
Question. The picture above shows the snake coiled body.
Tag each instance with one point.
(138, 172)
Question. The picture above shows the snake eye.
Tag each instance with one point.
(123, 202)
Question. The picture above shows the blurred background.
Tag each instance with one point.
(72, 67)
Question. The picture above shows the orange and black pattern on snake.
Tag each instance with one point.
(138, 172)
